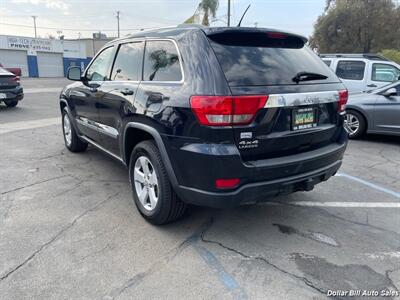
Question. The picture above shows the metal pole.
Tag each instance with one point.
(34, 24)
(118, 21)
(229, 13)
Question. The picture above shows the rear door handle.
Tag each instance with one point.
(127, 92)
(372, 85)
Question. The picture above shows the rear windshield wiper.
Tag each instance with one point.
(306, 76)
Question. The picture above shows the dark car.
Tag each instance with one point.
(209, 116)
(10, 88)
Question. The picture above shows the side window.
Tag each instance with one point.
(128, 64)
(327, 62)
(98, 70)
(385, 72)
(161, 62)
(347, 69)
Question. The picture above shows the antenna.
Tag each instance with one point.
(241, 19)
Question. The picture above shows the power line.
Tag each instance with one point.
(77, 29)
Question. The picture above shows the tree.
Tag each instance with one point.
(357, 26)
(391, 54)
(207, 8)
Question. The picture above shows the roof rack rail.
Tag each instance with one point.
(371, 56)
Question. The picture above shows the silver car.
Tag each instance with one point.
(376, 111)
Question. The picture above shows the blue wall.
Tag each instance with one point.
(75, 62)
(33, 66)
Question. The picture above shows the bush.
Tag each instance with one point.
(391, 54)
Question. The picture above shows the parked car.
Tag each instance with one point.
(10, 88)
(16, 71)
(362, 72)
(376, 111)
(209, 116)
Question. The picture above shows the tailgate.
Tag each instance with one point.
(290, 123)
(301, 113)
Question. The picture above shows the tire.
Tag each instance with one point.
(355, 124)
(12, 103)
(161, 205)
(71, 139)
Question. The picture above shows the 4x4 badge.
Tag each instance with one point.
(248, 144)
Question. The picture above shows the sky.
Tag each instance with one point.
(80, 18)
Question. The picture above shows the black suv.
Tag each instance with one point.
(209, 116)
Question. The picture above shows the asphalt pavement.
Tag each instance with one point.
(69, 228)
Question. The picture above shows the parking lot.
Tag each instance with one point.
(69, 228)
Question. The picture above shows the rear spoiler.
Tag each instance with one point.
(254, 37)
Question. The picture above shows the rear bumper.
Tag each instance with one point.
(197, 167)
(13, 94)
(259, 192)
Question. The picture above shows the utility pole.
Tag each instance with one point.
(229, 13)
(34, 24)
(118, 12)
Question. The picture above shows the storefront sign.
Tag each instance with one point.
(30, 45)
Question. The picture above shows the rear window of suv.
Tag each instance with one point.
(257, 59)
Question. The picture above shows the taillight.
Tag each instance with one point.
(16, 79)
(343, 97)
(226, 110)
(227, 183)
(276, 35)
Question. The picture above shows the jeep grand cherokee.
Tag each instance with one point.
(209, 116)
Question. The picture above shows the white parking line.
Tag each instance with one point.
(355, 204)
(42, 90)
(347, 204)
(370, 184)
(24, 125)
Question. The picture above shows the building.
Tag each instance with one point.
(37, 57)
(94, 45)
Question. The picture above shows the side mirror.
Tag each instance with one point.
(390, 92)
(74, 73)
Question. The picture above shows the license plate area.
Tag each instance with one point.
(3, 95)
(304, 118)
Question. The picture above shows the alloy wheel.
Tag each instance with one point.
(67, 129)
(352, 124)
(146, 183)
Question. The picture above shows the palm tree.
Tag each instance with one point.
(207, 7)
